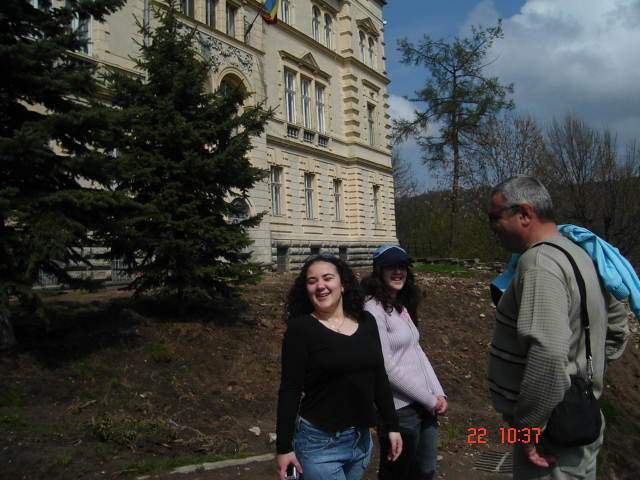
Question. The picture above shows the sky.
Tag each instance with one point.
(563, 56)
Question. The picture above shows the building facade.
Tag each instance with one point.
(321, 67)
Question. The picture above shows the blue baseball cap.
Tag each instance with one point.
(389, 255)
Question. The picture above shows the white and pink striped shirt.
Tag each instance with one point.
(410, 373)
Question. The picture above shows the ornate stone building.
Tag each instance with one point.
(327, 149)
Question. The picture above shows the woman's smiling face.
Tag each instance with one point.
(324, 286)
(394, 278)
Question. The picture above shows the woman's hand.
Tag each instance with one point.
(441, 406)
(284, 460)
(395, 446)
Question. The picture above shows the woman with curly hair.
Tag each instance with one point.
(331, 357)
(392, 298)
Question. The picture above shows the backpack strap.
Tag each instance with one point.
(584, 314)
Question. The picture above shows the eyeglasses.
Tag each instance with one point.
(495, 216)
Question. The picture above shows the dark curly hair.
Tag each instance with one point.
(409, 297)
(298, 302)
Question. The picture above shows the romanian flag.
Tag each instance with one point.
(270, 11)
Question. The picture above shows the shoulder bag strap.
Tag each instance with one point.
(584, 314)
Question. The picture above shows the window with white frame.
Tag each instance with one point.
(371, 124)
(276, 191)
(327, 30)
(305, 95)
(210, 12)
(363, 53)
(315, 23)
(231, 20)
(186, 7)
(337, 200)
(376, 203)
(320, 108)
(290, 95)
(285, 11)
(308, 194)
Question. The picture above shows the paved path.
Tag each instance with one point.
(452, 466)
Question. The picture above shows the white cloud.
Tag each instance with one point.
(578, 56)
(400, 108)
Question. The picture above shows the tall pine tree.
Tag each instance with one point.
(49, 168)
(458, 96)
(183, 156)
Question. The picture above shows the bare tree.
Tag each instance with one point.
(404, 178)
(501, 148)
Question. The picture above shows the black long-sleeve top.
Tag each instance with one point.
(341, 376)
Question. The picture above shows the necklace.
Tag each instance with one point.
(335, 328)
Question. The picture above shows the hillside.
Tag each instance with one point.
(113, 388)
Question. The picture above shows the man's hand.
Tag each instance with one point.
(538, 458)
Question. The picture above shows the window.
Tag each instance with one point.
(186, 7)
(337, 200)
(82, 26)
(362, 48)
(231, 20)
(210, 12)
(305, 87)
(43, 5)
(308, 194)
(290, 96)
(320, 108)
(276, 191)
(286, 11)
(370, 122)
(327, 30)
(376, 203)
(371, 53)
(315, 24)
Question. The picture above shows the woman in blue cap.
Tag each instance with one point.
(392, 298)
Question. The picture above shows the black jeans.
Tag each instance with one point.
(419, 430)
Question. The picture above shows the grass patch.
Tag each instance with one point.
(10, 400)
(454, 432)
(451, 270)
(83, 370)
(153, 466)
(13, 423)
(161, 352)
(128, 431)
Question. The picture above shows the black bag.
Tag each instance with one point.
(576, 420)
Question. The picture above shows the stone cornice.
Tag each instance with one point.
(320, 153)
(354, 61)
(367, 25)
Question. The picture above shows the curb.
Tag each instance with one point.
(200, 467)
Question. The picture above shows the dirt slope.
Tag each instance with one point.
(111, 388)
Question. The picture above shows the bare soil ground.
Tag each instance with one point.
(116, 388)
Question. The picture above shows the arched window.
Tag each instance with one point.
(327, 30)
(372, 56)
(363, 56)
(241, 210)
(315, 24)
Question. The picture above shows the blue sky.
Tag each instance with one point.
(578, 56)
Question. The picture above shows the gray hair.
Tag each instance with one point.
(523, 189)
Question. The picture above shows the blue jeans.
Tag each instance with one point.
(326, 455)
(419, 430)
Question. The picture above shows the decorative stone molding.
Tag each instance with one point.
(222, 54)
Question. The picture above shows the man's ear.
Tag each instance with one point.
(527, 213)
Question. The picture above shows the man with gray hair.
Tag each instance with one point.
(538, 339)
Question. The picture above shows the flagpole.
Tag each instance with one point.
(246, 34)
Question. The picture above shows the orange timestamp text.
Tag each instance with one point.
(507, 435)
